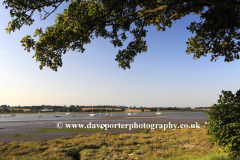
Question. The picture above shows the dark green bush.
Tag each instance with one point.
(224, 124)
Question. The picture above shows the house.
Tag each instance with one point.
(47, 110)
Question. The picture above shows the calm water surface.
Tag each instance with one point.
(51, 116)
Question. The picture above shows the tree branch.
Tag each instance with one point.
(146, 11)
(52, 11)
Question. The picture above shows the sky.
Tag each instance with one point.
(164, 76)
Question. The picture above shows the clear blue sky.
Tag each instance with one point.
(164, 76)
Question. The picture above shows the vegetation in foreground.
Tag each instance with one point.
(224, 122)
(156, 144)
(53, 130)
(18, 136)
(70, 130)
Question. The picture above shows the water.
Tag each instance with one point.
(51, 116)
(29, 123)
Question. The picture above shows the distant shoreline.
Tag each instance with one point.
(101, 112)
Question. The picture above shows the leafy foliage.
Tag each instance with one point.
(83, 21)
(224, 123)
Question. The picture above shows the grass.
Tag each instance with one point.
(180, 144)
(70, 130)
(52, 130)
(18, 136)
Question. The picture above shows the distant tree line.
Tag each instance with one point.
(102, 108)
(202, 107)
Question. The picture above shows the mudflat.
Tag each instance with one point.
(17, 131)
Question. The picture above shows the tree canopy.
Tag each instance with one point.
(82, 21)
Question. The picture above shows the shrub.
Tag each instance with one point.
(224, 124)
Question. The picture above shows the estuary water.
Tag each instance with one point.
(51, 116)
(24, 124)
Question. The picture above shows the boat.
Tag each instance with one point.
(158, 111)
(67, 112)
(58, 115)
(129, 113)
(93, 114)
(107, 113)
(112, 114)
(39, 115)
(73, 115)
(11, 115)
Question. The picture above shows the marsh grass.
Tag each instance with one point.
(70, 130)
(18, 136)
(180, 144)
